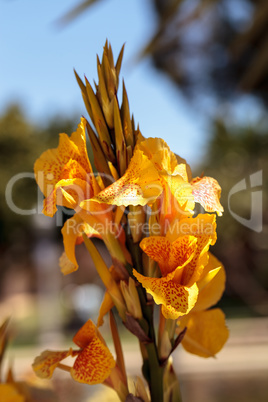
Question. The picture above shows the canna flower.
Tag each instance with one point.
(93, 364)
(156, 171)
(66, 178)
(181, 256)
(176, 176)
(206, 331)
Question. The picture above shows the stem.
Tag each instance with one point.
(155, 374)
(152, 370)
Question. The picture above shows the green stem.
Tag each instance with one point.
(155, 374)
(152, 370)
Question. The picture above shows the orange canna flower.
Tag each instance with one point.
(181, 256)
(93, 364)
(66, 178)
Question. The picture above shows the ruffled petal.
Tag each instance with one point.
(94, 364)
(206, 332)
(45, 364)
(140, 185)
(176, 299)
(50, 166)
(207, 192)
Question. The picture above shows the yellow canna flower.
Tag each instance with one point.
(176, 174)
(181, 256)
(206, 331)
(93, 364)
(66, 178)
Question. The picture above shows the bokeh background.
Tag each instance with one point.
(196, 74)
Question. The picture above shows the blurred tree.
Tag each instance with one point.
(216, 48)
(234, 153)
(20, 143)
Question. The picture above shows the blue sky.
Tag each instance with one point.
(37, 60)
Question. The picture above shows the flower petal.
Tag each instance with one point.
(203, 227)
(173, 170)
(85, 334)
(68, 193)
(207, 192)
(72, 232)
(158, 249)
(211, 285)
(140, 184)
(94, 364)
(176, 299)
(106, 305)
(45, 364)
(49, 167)
(9, 393)
(169, 255)
(206, 332)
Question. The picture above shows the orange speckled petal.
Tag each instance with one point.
(49, 167)
(206, 332)
(182, 251)
(140, 185)
(45, 364)
(176, 299)
(207, 192)
(203, 227)
(85, 334)
(94, 364)
(72, 232)
(158, 249)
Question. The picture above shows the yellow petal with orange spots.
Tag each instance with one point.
(106, 305)
(49, 168)
(169, 255)
(203, 227)
(176, 299)
(207, 192)
(206, 332)
(140, 185)
(72, 232)
(94, 364)
(211, 285)
(158, 249)
(45, 364)
(85, 334)
(9, 393)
